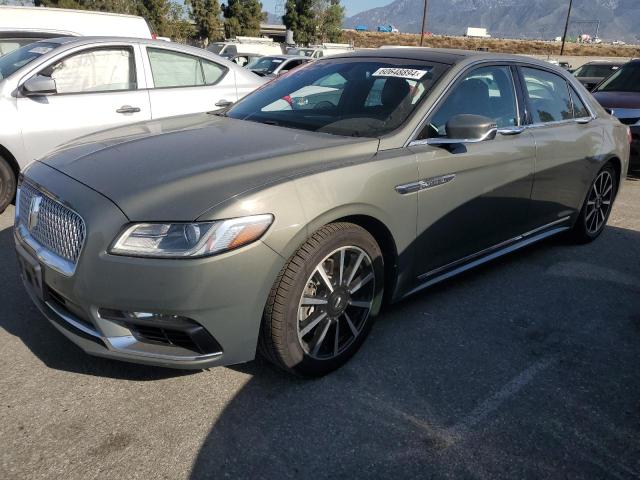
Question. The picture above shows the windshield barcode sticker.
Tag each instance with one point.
(408, 73)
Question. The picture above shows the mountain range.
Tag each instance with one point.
(619, 19)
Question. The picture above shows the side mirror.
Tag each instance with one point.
(39, 85)
(467, 128)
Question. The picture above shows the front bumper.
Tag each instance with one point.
(223, 295)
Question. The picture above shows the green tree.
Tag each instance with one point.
(206, 15)
(298, 17)
(329, 15)
(243, 17)
(180, 28)
(156, 12)
(314, 20)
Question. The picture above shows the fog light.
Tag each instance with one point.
(164, 329)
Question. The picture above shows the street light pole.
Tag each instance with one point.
(566, 27)
(424, 21)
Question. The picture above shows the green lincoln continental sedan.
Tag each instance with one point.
(282, 224)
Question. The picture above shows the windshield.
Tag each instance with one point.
(216, 48)
(360, 97)
(302, 52)
(596, 70)
(14, 61)
(265, 65)
(627, 79)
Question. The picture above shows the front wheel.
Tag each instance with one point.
(7, 184)
(597, 206)
(319, 310)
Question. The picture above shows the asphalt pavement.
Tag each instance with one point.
(526, 368)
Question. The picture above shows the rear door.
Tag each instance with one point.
(474, 196)
(566, 143)
(97, 88)
(182, 83)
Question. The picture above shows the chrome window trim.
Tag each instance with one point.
(508, 63)
(570, 87)
(445, 93)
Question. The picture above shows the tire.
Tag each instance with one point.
(597, 206)
(313, 323)
(7, 184)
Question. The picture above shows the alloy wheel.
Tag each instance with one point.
(599, 202)
(336, 303)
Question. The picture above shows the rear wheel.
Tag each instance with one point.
(7, 184)
(597, 206)
(319, 310)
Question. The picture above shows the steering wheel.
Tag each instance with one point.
(324, 105)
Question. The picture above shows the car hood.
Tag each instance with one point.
(178, 168)
(618, 99)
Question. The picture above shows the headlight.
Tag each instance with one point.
(178, 240)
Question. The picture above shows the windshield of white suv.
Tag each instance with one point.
(627, 79)
(359, 97)
(14, 61)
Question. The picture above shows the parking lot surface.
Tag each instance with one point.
(525, 368)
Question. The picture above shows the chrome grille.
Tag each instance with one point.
(58, 228)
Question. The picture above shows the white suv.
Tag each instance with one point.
(56, 90)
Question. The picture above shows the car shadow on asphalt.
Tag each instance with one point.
(20, 318)
(523, 368)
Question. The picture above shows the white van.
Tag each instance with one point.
(246, 46)
(320, 51)
(23, 25)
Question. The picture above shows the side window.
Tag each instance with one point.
(549, 99)
(100, 70)
(291, 65)
(579, 108)
(212, 72)
(486, 91)
(176, 69)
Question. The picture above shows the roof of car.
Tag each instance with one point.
(148, 41)
(441, 55)
(606, 62)
(287, 57)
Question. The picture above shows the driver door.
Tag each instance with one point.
(474, 196)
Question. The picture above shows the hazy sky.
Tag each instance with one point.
(352, 6)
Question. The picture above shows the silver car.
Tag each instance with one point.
(276, 65)
(59, 89)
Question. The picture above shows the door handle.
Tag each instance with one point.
(511, 130)
(128, 109)
(223, 103)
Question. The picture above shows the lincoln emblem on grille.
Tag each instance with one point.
(34, 212)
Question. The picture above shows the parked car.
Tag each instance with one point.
(20, 26)
(56, 90)
(242, 59)
(620, 94)
(194, 241)
(276, 65)
(592, 73)
(246, 45)
(321, 51)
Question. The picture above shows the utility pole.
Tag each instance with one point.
(424, 21)
(566, 27)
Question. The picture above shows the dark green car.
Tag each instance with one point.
(285, 223)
